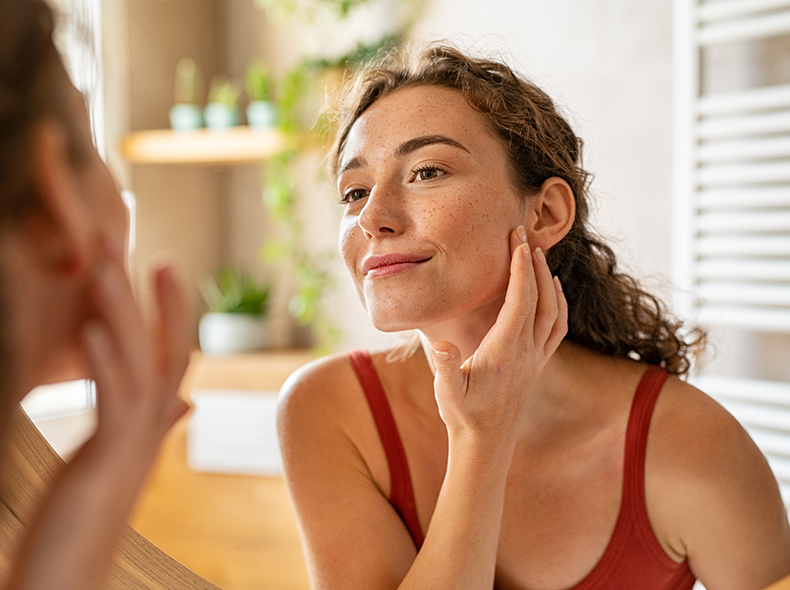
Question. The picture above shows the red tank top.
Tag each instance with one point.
(633, 559)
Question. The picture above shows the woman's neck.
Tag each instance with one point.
(466, 333)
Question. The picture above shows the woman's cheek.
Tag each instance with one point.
(348, 227)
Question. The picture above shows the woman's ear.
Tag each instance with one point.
(61, 223)
(550, 213)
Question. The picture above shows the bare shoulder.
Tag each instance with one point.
(321, 400)
(694, 438)
(711, 495)
(316, 385)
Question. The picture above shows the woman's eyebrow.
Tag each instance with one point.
(355, 162)
(412, 145)
(406, 148)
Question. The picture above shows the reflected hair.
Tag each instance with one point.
(32, 87)
(33, 84)
(608, 311)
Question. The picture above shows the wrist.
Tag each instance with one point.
(481, 452)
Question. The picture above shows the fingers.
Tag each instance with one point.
(105, 366)
(535, 306)
(517, 237)
(521, 295)
(449, 379)
(173, 328)
(121, 317)
(560, 327)
(547, 306)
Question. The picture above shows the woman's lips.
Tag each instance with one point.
(389, 264)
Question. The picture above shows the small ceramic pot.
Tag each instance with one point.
(218, 115)
(185, 117)
(232, 333)
(261, 114)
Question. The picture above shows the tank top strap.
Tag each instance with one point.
(401, 490)
(644, 402)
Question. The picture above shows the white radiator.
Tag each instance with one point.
(732, 174)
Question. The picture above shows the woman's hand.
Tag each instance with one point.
(487, 394)
(137, 370)
(73, 536)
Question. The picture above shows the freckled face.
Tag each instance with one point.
(429, 208)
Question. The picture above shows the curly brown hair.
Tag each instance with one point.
(608, 311)
(32, 87)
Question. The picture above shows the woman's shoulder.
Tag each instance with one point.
(696, 439)
(687, 419)
(327, 386)
(707, 483)
(317, 385)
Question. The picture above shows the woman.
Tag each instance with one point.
(67, 312)
(525, 459)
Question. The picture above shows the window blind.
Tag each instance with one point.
(732, 177)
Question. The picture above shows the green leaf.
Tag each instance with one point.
(234, 291)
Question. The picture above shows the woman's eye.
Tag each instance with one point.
(428, 173)
(353, 195)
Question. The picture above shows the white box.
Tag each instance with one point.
(234, 431)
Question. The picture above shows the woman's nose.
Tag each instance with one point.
(382, 214)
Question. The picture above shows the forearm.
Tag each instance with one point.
(461, 543)
(72, 539)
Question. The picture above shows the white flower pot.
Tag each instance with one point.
(220, 116)
(232, 333)
(186, 117)
(261, 114)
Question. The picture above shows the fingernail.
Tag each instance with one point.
(441, 354)
(525, 250)
(540, 256)
(522, 234)
(557, 283)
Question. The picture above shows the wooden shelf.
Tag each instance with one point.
(237, 145)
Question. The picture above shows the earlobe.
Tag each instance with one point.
(62, 221)
(552, 212)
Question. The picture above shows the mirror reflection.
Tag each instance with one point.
(523, 291)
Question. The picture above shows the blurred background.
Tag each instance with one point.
(684, 108)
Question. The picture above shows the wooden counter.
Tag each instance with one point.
(237, 531)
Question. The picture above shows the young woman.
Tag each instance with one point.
(67, 312)
(541, 437)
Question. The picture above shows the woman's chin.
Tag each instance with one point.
(391, 320)
(390, 325)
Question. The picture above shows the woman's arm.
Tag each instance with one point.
(352, 535)
(75, 531)
(710, 483)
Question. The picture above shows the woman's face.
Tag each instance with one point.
(96, 184)
(104, 227)
(429, 207)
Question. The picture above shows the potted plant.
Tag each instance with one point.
(185, 114)
(236, 320)
(261, 113)
(222, 110)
